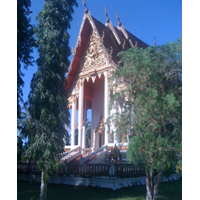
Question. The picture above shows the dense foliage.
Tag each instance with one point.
(25, 44)
(147, 88)
(48, 99)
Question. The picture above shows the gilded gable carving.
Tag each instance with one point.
(77, 85)
(93, 56)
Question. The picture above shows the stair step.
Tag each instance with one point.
(68, 156)
(90, 159)
(77, 160)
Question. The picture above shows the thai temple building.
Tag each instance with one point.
(103, 162)
(94, 58)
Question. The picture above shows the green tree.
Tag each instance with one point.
(147, 87)
(23, 121)
(48, 98)
(19, 148)
(25, 44)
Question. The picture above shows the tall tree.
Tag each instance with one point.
(25, 44)
(19, 148)
(48, 98)
(22, 122)
(151, 108)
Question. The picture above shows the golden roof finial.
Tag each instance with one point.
(86, 9)
(105, 10)
(119, 23)
(154, 41)
(107, 19)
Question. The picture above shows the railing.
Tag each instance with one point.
(27, 167)
(103, 148)
(127, 170)
(89, 170)
(99, 158)
(87, 150)
(120, 146)
(68, 152)
(74, 153)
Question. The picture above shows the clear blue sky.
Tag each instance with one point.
(143, 18)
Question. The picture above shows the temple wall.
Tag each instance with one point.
(97, 181)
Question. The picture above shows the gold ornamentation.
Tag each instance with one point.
(107, 19)
(93, 56)
(119, 23)
(135, 44)
(110, 54)
(73, 51)
(102, 37)
(154, 41)
(100, 126)
(79, 40)
(77, 85)
(123, 45)
(86, 9)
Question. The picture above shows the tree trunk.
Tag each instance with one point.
(149, 186)
(148, 189)
(156, 185)
(43, 187)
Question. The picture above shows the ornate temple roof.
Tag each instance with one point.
(111, 38)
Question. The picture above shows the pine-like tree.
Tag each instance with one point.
(25, 44)
(48, 98)
(151, 108)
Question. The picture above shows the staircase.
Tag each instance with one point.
(99, 156)
(99, 151)
(102, 156)
(71, 155)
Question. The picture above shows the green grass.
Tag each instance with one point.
(167, 191)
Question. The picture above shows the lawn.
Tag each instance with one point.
(167, 191)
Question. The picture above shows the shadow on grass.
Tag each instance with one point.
(167, 191)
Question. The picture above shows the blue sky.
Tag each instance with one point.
(143, 18)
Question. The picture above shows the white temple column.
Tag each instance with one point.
(83, 124)
(83, 136)
(73, 121)
(80, 112)
(106, 106)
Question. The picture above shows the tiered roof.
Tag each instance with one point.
(113, 40)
